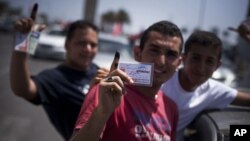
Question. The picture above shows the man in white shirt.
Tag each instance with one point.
(192, 88)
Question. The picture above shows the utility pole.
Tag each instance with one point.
(90, 10)
(202, 13)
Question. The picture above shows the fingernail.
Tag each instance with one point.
(116, 65)
(117, 55)
(35, 6)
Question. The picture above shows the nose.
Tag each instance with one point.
(161, 60)
(201, 66)
(87, 47)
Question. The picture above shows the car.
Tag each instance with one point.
(108, 45)
(214, 125)
(225, 74)
(51, 45)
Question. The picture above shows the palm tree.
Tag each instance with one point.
(122, 17)
(110, 18)
(107, 20)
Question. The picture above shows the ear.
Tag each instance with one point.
(66, 45)
(218, 64)
(180, 60)
(137, 53)
(183, 57)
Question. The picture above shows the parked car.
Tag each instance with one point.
(224, 74)
(214, 125)
(51, 46)
(108, 45)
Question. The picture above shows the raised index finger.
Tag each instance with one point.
(115, 61)
(34, 11)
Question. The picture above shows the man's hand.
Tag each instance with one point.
(101, 74)
(26, 25)
(243, 29)
(115, 62)
(113, 87)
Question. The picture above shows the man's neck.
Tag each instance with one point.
(70, 65)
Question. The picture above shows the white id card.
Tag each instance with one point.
(33, 41)
(141, 73)
(27, 42)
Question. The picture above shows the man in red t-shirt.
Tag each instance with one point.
(116, 110)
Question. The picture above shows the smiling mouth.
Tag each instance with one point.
(159, 71)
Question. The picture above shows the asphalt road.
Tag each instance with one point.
(20, 120)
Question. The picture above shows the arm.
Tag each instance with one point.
(243, 29)
(93, 128)
(20, 81)
(242, 99)
(109, 97)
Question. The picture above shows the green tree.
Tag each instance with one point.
(109, 18)
(122, 17)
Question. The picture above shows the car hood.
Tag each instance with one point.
(56, 41)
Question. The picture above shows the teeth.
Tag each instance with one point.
(158, 71)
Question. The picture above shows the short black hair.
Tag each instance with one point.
(165, 28)
(79, 24)
(204, 39)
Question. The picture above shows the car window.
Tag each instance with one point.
(109, 46)
(57, 32)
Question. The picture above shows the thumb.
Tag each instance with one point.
(115, 61)
(42, 27)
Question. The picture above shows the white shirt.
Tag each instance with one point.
(210, 95)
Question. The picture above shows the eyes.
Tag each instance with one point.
(85, 44)
(210, 61)
(156, 51)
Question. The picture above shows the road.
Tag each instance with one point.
(20, 120)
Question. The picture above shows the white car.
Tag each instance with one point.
(51, 45)
(108, 45)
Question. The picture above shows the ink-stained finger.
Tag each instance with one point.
(34, 12)
(115, 62)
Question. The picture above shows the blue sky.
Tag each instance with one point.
(185, 13)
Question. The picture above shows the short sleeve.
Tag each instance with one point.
(222, 96)
(88, 106)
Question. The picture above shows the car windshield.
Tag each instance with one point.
(57, 32)
(110, 47)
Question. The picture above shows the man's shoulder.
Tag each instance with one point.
(48, 74)
(216, 84)
(93, 68)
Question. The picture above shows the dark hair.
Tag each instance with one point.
(205, 39)
(79, 24)
(165, 28)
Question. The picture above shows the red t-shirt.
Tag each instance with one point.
(137, 118)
